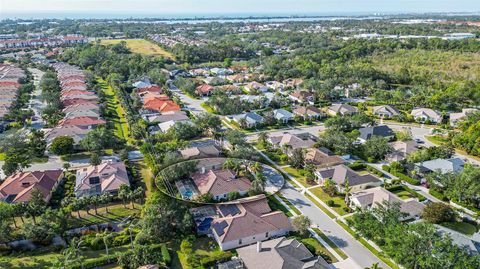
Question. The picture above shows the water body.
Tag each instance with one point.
(190, 18)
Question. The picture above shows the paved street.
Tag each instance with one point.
(335, 232)
(35, 102)
(193, 105)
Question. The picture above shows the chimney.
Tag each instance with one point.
(259, 246)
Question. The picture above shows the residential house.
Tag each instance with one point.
(142, 83)
(214, 81)
(167, 125)
(201, 151)
(238, 78)
(89, 106)
(367, 133)
(230, 89)
(255, 87)
(371, 198)
(342, 176)
(401, 149)
(426, 115)
(97, 179)
(248, 222)
(167, 116)
(341, 109)
(293, 83)
(276, 86)
(290, 142)
(444, 166)
(322, 157)
(18, 187)
(302, 96)
(282, 115)
(219, 183)
(82, 113)
(280, 253)
(249, 119)
(161, 105)
(204, 90)
(308, 112)
(385, 111)
(73, 131)
(456, 117)
(83, 122)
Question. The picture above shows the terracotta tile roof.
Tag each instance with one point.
(76, 92)
(19, 187)
(160, 105)
(78, 101)
(82, 121)
(204, 89)
(219, 182)
(248, 219)
(111, 176)
(151, 88)
(322, 158)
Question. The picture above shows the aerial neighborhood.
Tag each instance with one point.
(285, 143)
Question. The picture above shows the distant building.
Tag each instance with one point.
(366, 133)
(456, 117)
(290, 142)
(444, 166)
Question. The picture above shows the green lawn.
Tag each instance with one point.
(313, 243)
(326, 211)
(115, 108)
(339, 205)
(275, 205)
(404, 192)
(298, 175)
(114, 212)
(208, 108)
(141, 46)
(330, 243)
(46, 258)
(2, 156)
(364, 242)
(461, 227)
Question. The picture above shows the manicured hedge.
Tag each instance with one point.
(437, 195)
(406, 178)
(357, 165)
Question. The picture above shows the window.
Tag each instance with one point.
(266, 234)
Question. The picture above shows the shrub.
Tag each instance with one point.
(386, 167)
(438, 213)
(374, 171)
(330, 203)
(166, 255)
(213, 259)
(357, 165)
(437, 195)
(406, 178)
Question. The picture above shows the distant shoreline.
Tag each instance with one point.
(216, 17)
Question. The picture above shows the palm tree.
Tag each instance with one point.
(123, 194)
(374, 266)
(73, 253)
(262, 138)
(347, 188)
(256, 167)
(105, 199)
(139, 194)
(95, 200)
(107, 239)
(258, 185)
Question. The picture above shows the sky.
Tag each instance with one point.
(137, 8)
